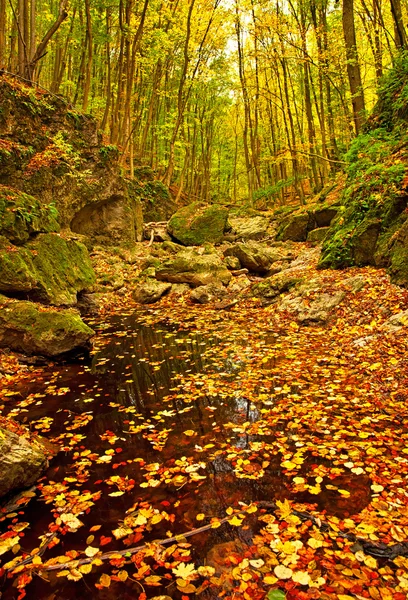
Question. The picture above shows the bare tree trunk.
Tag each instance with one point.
(2, 33)
(400, 33)
(353, 66)
(88, 68)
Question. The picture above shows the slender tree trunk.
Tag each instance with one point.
(88, 67)
(3, 33)
(400, 33)
(353, 65)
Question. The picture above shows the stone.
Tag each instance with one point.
(49, 269)
(316, 236)
(22, 461)
(26, 328)
(208, 293)
(197, 223)
(150, 291)
(249, 228)
(295, 227)
(355, 284)
(232, 263)
(22, 216)
(397, 322)
(272, 287)
(398, 256)
(364, 242)
(189, 266)
(324, 216)
(239, 284)
(317, 310)
(254, 256)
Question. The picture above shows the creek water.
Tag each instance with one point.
(132, 401)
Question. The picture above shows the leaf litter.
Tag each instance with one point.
(220, 454)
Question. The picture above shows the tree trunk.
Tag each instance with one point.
(400, 33)
(353, 66)
(2, 33)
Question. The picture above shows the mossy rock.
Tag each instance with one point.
(195, 269)
(22, 461)
(197, 223)
(22, 216)
(317, 236)
(255, 256)
(295, 227)
(26, 328)
(49, 269)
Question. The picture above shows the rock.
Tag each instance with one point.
(179, 289)
(272, 287)
(22, 216)
(150, 291)
(189, 266)
(156, 200)
(61, 159)
(315, 311)
(295, 227)
(171, 247)
(232, 262)
(398, 256)
(49, 269)
(208, 293)
(396, 322)
(26, 328)
(254, 256)
(249, 228)
(364, 242)
(197, 223)
(22, 461)
(317, 235)
(355, 284)
(238, 284)
(324, 216)
(89, 304)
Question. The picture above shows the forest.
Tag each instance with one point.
(247, 99)
(203, 299)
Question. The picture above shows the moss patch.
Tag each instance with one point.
(197, 223)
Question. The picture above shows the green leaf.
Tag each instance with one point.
(276, 595)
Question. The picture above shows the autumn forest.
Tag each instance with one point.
(203, 299)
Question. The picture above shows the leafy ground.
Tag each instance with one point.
(278, 451)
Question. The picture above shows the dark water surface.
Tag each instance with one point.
(138, 372)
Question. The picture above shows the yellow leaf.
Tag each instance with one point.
(301, 577)
(90, 551)
(104, 580)
(185, 571)
(85, 569)
(345, 493)
(123, 575)
(200, 517)
(377, 488)
(313, 543)
(189, 433)
(282, 572)
(235, 521)
(287, 464)
(114, 494)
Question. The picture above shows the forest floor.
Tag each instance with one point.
(279, 450)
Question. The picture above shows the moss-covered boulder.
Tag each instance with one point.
(22, 216)
(256, 257)
(317, 235)
(249, 228)
(372, 228)
(49, 268)
(22, 462)
(198, 223)
(189, 266)
(295, 227)
(25, 327)
(150, 291)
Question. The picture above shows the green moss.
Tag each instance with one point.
(197, 223)
(25, 328)
(22, 215)
(50, 269)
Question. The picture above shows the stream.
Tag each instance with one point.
(134, 411)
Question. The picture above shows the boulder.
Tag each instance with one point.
(232, 263)
(272, 287)
(316, 236)
(189, 266)
(49, 269)
(317, 310)
(249, 228)
(22, 216)
(198, 223)
(324, 216)
(150, 291)
(364, 242)
(22, 461)
(397, 322)
(398, 256)
(295, 227)
(254, 256)
(26, 328)
(208, 293)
